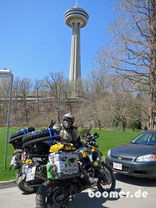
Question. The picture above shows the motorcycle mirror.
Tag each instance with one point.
(89, 127)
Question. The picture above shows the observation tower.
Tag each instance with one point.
(75, 18)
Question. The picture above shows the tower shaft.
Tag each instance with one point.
(75, 18)
(75, 62)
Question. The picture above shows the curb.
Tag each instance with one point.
(7, 184)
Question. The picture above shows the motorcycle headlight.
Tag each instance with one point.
(146, 158)
(109, 153)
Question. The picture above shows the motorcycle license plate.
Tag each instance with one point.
(117, 166)
(30, 173)
(12, 160)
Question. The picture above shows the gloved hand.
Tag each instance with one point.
(52, 124)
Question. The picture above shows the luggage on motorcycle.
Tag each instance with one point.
(60, 146)
(16, 142)
(21, 132)
(16, 138)
(40, 141)
(42, 133)
(63, 165)
(38, 148)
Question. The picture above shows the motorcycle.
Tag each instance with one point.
(30, 156)
(18, 160)
(70, 171)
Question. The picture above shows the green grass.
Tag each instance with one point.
(6, 174)
(107, 140)
(111, 138)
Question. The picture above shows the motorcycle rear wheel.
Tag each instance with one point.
(106, 182)
(45, 195)
(23, 188)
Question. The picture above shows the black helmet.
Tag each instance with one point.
(68, 120)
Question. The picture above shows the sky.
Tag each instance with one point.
(34, 39)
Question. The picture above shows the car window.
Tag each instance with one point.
(145, 138)
(153, 139)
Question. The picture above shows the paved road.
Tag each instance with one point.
(13, 197)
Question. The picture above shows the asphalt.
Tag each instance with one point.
(11, 196)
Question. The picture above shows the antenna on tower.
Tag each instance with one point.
(76, 2)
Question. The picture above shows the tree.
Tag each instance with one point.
(37, 87)
(24, 87)
(67, 93)
(132, 52)
(16, 101)
(53, 84)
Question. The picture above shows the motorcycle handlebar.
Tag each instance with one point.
(96, 136)
(91, 137)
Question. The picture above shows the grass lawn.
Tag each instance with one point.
(6, 174)
(111, 138)
(107, 140)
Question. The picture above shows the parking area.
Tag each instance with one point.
(130, 192)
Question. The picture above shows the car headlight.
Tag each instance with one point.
(109, 153)
(146, 158)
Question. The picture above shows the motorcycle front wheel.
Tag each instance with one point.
(106, 180)
(49, 195)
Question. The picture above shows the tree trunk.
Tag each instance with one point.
(58, 116)
(153, 67)
(99, 124)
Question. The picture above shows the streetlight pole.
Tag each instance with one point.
(6, 74)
